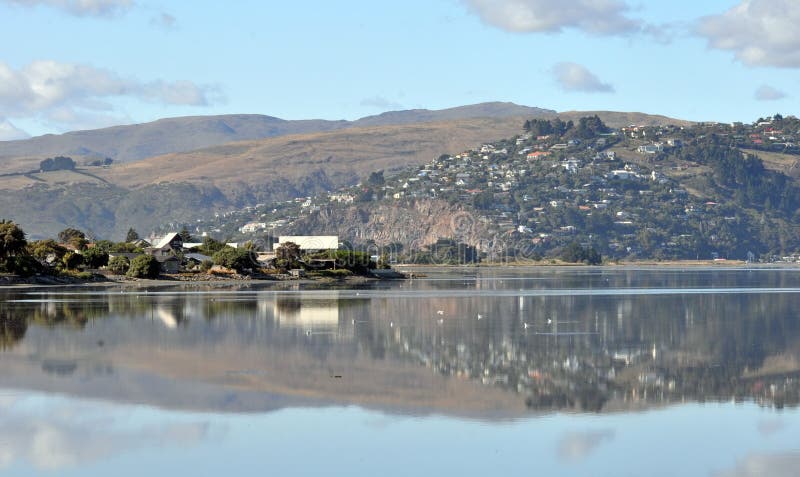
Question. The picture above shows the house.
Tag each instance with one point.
(172, 241)
(169, 264)
(312, 242)
(651, 148)
(532, 156)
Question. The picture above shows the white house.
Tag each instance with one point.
(312, 242)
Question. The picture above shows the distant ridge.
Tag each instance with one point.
(164, 136)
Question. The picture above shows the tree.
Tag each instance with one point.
(48, 252)
(185, 235)
(144, 266)
(132, 235)
(58, 163)
(119, 265)
(72, 260)
(234, 259)
(12, 240)
(95, 257)
(287, 255)
(376, 179)
(210, 246)
(73, 237)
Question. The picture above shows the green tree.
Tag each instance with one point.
(144, 266)
(132, 235)
(119, 265)
(12, 240)
(95, 257)
(46, 251)
(376, 179)
(185, 235)
(73, 237)
(287, 255)
(12, 244)
(210, 246)
(235, 259)
(72, 260)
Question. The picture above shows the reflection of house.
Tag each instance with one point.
(308, 315)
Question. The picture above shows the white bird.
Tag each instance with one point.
(549, 321)
(440, 312)
(480, 316)
(391, 324)
(525, 326)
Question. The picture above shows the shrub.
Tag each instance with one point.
(119, 265)
(144, 266)
(234, 259)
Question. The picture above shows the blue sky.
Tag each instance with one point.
(79, 64)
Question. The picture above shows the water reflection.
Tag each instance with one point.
(488, 343)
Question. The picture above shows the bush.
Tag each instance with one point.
(235, 259)
(119, 265)
(95, 257)
(206, 265)
(144, 266)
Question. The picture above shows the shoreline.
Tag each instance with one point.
(12, 282)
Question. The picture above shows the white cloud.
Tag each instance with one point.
(102, 8)
(768, 93)
(757, 465)
(573, 77)
(577, 446)
(598, 17)
(758, 32)
(379, 102)
(9, 132)
(64, 92)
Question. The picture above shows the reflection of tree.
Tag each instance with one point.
(12, 329)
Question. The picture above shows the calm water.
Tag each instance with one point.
(522, 372)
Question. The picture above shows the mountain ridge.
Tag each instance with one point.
(127, 143)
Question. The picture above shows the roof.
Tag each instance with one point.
(166, 240)
(197, 256)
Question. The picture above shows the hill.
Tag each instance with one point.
(138, 141)
(562, 189)
(186, 186)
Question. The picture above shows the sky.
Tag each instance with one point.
(83, 64)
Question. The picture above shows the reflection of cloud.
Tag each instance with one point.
(578, 445)
(759, 465)
(767, 427)
(75, 434)
(98, 8)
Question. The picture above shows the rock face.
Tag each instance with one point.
(413, 223)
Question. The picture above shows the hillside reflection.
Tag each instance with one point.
(465, 350)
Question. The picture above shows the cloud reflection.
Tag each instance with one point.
(72, 434)
(577, 446)
(758, 465)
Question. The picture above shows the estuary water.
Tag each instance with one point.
(513, 371)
